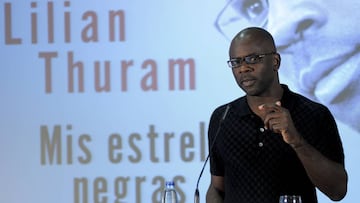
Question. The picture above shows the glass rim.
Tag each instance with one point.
(243, 59)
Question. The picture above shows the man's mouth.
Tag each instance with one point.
(247, 82)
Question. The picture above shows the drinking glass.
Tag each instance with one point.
(290, 199)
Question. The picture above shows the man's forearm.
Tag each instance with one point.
(330, 177)
(214, 196)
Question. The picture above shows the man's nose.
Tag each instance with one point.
(243, 68)
(290, 22)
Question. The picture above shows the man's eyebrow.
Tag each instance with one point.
(240, 57)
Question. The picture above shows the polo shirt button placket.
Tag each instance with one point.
(261, 143)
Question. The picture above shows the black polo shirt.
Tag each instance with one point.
(257, 165)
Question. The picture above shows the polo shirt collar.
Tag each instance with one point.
(242, 108)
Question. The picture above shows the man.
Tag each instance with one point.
(271, 141)
(322, 46)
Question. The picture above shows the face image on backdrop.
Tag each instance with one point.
(319, 43)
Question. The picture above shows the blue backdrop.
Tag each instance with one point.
(102, 101)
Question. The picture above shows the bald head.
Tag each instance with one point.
(257, 37)
(255, 41)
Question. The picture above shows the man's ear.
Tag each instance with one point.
(277, 61)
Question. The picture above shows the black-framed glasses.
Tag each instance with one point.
(250, 59)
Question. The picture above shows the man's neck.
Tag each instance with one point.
(272, 96)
